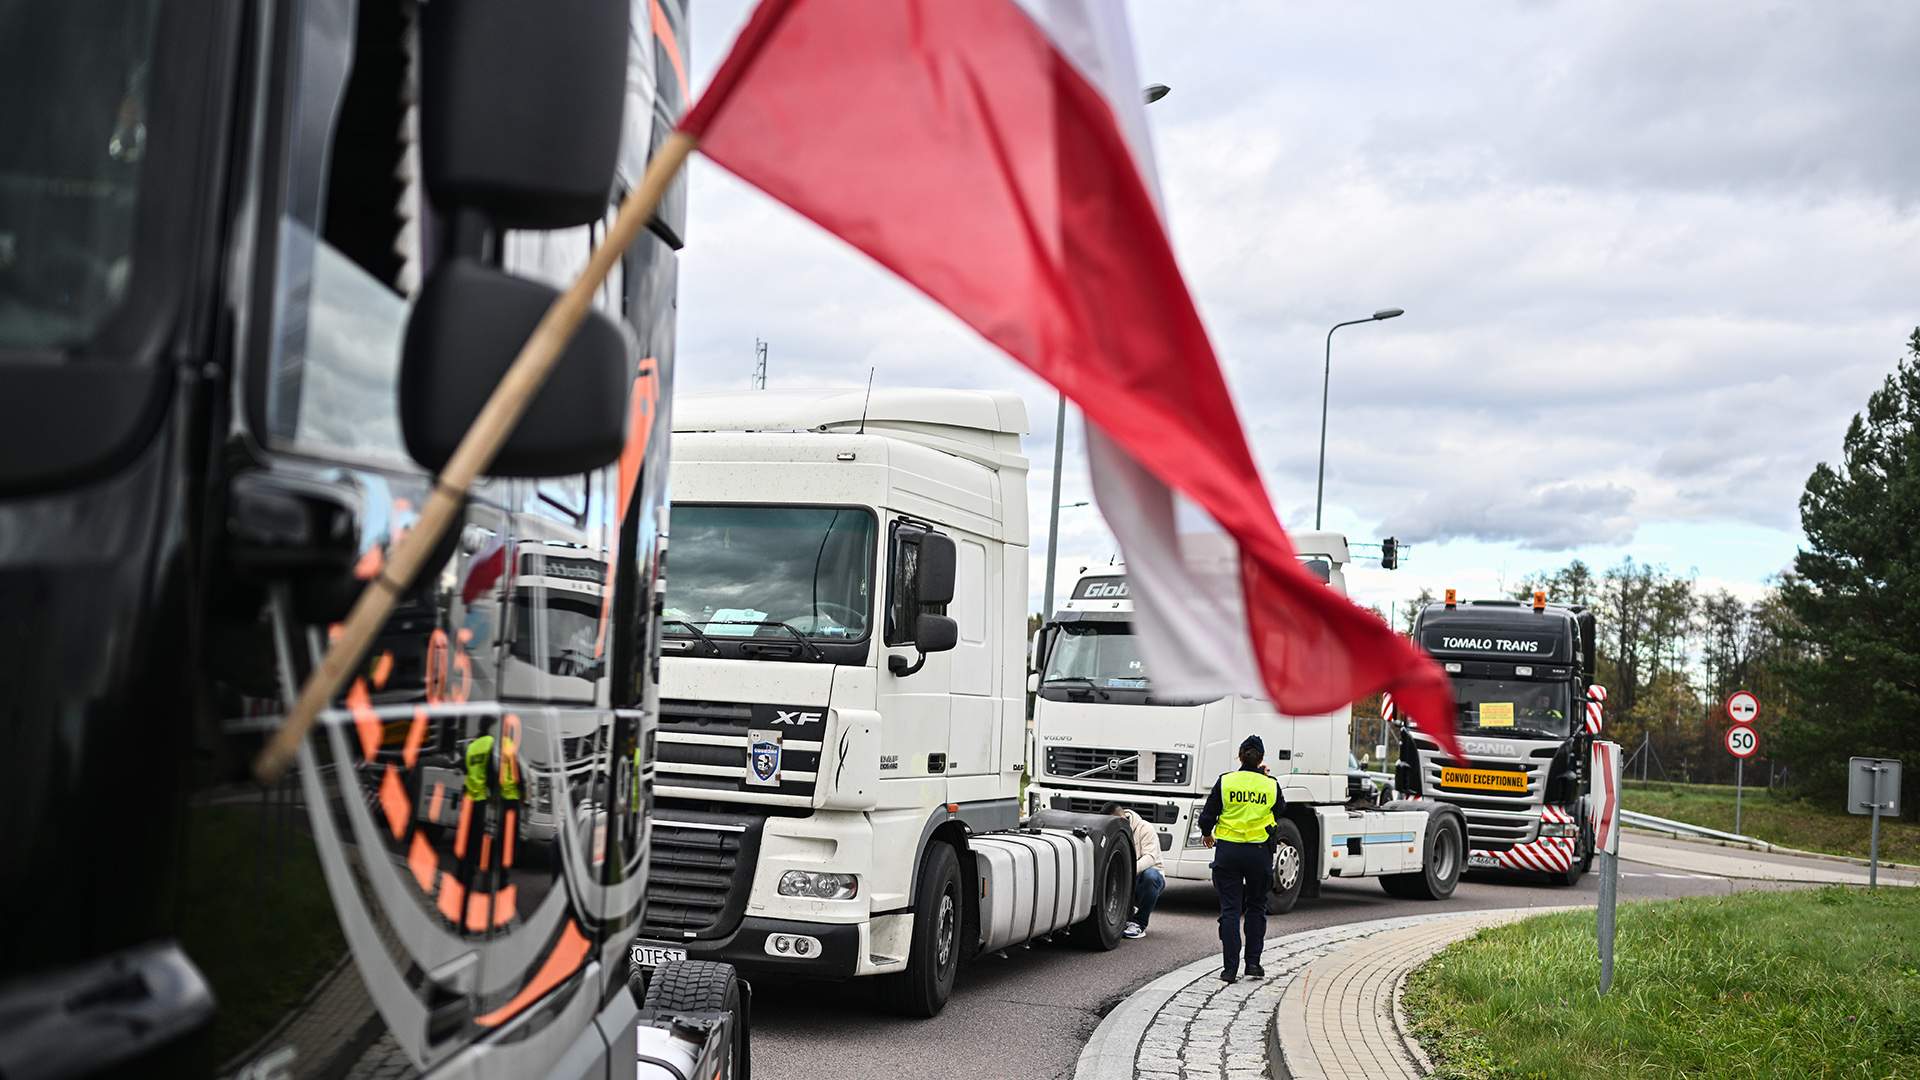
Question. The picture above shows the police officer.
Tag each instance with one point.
(1237, 823)
(485, 777)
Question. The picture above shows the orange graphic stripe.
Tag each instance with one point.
(423, 862)
(416, 736)
(365, 721)
(433, 807)
(506, 841)
(565, 959)
(453, 898)
(486, 851)
(460, 834)
(663, 30)
(502, 904)
(382, 669)
(393, 800)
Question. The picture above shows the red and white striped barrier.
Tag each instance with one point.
(1549, 854)
(1386, 708)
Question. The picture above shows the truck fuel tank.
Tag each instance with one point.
(1032, 883)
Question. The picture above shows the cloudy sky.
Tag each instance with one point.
(1653, 257)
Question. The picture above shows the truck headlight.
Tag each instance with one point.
(815, 885)
(1559, 828)
(1194, 839)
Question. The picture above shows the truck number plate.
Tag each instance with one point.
(1479, 860)
(1484, 780)
(646, 955)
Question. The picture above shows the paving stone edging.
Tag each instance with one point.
(1115, 1052)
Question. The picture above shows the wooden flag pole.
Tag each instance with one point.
(475, 453)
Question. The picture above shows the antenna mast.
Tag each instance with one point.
(867, 402)
(759, 379)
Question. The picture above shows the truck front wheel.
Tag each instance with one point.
(704, 986)
(922, 990)
(1289, 868)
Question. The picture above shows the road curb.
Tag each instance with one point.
(1112, 1051)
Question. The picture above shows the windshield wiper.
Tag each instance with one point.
(818, 654)
(697, 632)
(1082, 680)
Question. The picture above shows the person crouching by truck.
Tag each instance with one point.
(1237, 823)
(1148, 879)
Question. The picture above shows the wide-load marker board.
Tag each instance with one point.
(1604, 804)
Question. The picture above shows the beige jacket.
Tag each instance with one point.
(1146, 842)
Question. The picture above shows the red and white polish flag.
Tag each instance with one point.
(994, 153)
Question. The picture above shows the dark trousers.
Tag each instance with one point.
(1240, 873)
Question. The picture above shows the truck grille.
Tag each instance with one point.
(702, 750)
(1157, 813)
(1106, 763)
(701, 872)
(1496, 820)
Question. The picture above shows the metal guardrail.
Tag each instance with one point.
(1682, 828)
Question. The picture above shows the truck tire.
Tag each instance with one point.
(1582, 858)
(1112, 900)
(934, 960)
(704, 986)
(1289, 868)
(1440, 863)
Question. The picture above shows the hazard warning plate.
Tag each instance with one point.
(1512, 783)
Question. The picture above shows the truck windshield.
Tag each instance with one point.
(770, 571)
(1513, 708)
(73, 102)
(1104, 655)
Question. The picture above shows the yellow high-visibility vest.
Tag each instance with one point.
(1247, 800)
(479, 751)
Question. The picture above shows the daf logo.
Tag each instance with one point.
(782, 716)
(1482, 748)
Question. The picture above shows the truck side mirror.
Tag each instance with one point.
(934, 573)
(935, 633)
(931, 634)
(520, 108)
(464, 333)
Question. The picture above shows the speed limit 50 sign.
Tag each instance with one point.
(1742, 742)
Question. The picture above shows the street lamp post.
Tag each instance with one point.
(1151, 93)
(1326, 376)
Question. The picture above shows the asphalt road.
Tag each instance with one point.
(1029, 1014)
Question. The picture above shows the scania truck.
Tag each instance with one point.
(259, 264)
(1521, 675)
(842, 708)
(1102, 734)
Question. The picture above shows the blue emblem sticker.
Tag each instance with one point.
(763, 758)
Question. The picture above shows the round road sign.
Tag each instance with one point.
(1742, 742)
(1742, 707)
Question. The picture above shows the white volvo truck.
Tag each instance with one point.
(1102, 734)
(842, 712)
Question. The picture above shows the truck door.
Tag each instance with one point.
(976, 708)
(916, 706)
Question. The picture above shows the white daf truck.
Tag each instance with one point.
(842, 719)
(1101, 734)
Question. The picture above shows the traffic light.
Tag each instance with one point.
(1389, 554)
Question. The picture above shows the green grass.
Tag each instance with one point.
(1795, 823)
(1819, 983)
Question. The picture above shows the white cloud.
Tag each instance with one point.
(1653, 259)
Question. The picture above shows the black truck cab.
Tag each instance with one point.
(259, 265)
(1520, 674)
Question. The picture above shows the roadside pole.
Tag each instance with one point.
(1873, 787)
(1739, 780)
(1605, 770)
